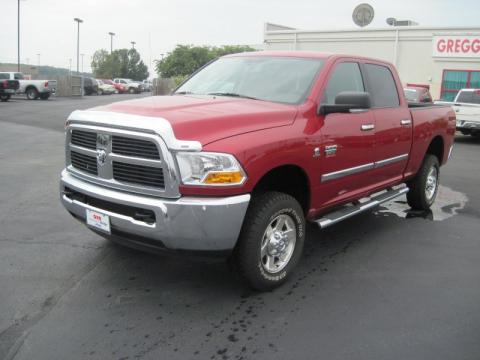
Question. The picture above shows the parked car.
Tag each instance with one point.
(119, 87)
(105, 89)
(7, 87)
(147, 85)
(132, 87)
(467, 109)
(33, 89)
(415, 93)
(90, 86)
(246, 151)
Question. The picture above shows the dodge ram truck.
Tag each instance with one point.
(33, 89)
(246, 151)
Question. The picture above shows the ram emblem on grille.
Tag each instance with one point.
(101, 157)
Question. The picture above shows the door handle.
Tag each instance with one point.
(368, 127)
(406, 122)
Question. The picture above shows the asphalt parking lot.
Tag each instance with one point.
(387, 284)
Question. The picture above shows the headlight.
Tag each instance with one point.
(204, 168)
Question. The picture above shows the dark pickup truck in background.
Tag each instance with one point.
(247, 150)
(7, 87)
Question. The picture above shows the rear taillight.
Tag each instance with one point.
(46, 83)
(5, 84)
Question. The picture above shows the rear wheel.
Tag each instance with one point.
(32, 93)
(100, 92)
(44, 96)
(271, 241)
(5, 97)
(424, 187)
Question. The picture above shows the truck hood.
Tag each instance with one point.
(208, 118)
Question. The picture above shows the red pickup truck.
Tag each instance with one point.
(246, 151)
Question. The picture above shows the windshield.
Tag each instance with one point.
(285, 80)
(411, 95)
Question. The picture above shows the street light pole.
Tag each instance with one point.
(18, 36)
(78, 20)
(38, 59)
(133, 44)
(82, 61)
(111, 41)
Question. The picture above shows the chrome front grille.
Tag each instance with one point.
(86, 139)
(138, 174)
(84, 162)
(134, 147)
(122, 159)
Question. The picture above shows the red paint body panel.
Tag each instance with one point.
(264, 135)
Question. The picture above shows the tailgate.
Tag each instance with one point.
(467, 112)
(52, 85)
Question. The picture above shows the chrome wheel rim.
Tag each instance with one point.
(431, 185)
(278, 243)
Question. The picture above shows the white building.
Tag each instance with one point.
(447, 59)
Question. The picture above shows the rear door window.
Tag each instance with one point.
(18, 76)
(345, 77)
(4, 76)
(382, 86)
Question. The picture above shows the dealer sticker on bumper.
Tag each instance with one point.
(98, 220)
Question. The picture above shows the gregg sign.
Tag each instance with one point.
(456, 46)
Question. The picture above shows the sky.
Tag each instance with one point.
(47, 26)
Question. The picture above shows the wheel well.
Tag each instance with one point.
(289, 179)
(31, 87)
(436, 148)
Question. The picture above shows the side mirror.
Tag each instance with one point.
(347, 101)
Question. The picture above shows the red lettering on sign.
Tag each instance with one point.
(465, 45)
(457, 45)
(475, 46)
(449, 45)
(441, 45)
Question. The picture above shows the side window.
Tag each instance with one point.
(382, 86)
(345, 77)
(18, 76)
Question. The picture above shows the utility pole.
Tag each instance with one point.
(78, 20)
(133, 44)
(111, 41)
(82, 61)
(38, 59)
(70, 62)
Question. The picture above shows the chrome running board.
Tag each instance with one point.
(361, 206)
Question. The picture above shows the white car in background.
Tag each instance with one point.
(147, 85)
(467, 111)
(104, 88)
(132, 86)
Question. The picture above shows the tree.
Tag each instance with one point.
(186, 59)
(124, 63)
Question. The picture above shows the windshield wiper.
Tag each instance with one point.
(232, 95)
(183, 93)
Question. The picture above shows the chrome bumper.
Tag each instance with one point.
(187, 223)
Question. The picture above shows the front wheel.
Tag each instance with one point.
(131, 90)
(271, 241)
(5, 97)
(424, 187)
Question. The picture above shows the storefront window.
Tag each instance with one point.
(454, 80)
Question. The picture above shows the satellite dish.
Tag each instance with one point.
(363, 15)
(391, 21)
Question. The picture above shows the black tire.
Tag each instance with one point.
(131, 90)
(44, 96)
(421, 196)
(100, 92)
(4, 97)
(247, 257)
(32, 93)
